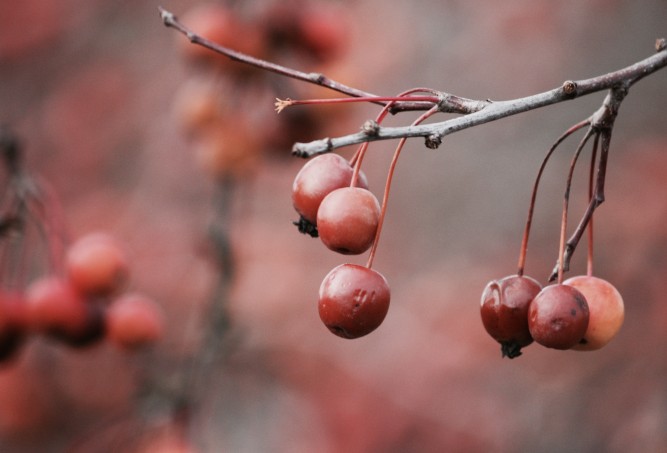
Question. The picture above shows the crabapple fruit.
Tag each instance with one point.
(348, 219)
(353, 300)
(54, 307)
(134, 320)
(606, 311)
(558, 317)
(504, 311)
(317, 178)
(97, 265)
(323, 30)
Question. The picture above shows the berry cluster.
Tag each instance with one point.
(73, 294)
(336, 205)
(84, 306)
(582, 313)
(229, 133)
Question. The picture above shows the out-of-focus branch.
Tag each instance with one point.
(170, 20)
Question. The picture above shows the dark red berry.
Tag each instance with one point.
(354, 300)
(348, 219)
(320, 176)
(558, 317)
(504, 310)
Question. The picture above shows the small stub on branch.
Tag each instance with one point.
(569, 88)
(660, 44)
(370, 128)
(311, 149)
(433, 141)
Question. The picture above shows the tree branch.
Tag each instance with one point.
(495, 110)
(170, 20)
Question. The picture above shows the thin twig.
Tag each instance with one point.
(453, 103)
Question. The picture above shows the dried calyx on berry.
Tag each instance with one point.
(306, 227)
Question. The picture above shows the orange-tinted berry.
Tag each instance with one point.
(606, 308)
(134, 320)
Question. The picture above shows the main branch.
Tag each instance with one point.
(492, 111)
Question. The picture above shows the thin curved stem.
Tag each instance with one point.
(533, 197)
(361, 151)
(566, 201)
(591, 186)
(387, 187)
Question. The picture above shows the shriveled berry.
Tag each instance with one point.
(558, 317)
(606, 308)
(317, 178)
(348, 219)
(504, 311)
(353, 300)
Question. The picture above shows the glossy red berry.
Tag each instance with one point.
(317, 178)
(504, 311)
(348, 219)
(353, 300)
(97, 265)
(606, 311)
(134, 320)
(558, 317)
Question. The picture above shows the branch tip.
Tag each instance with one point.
(660, 44)
(166, 16)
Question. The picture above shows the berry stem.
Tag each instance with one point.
(526, 233)
(361, 151)
(591, 187)
(387, 187)
(282, 104)
(566, 200)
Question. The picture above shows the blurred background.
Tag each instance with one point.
(184, 161)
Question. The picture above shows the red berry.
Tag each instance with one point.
(504, 310)
(323, 30)
(55, 307)
(606, 311)
(348, 219)
(353, 301)
(558, 317)
(97, 265)
(320, 176)
(134, 320)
